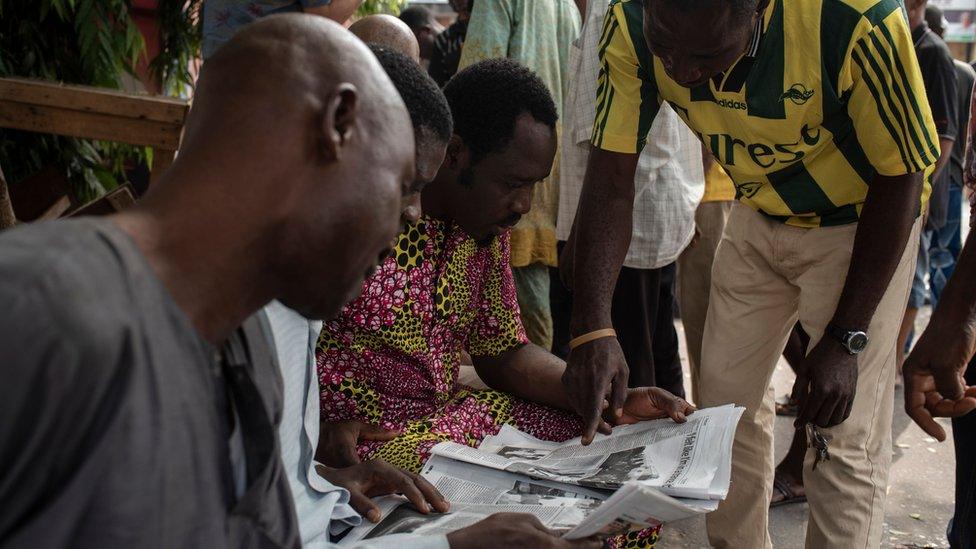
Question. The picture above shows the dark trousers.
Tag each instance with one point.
(643, 316)
(962, 535)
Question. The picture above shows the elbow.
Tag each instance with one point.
(610, 175)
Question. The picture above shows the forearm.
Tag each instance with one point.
(601, 236)
(339, 10)
(528, 372)
(880, 242)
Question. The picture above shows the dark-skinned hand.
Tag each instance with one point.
(375, 478)
(645, 403)
(506, 530)
(338, 441)
(826, 381)
(934, 383)
(594, 371)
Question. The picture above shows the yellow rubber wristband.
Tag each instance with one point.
(592, 336)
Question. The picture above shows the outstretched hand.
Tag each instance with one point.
(934, 383)
(594, 371)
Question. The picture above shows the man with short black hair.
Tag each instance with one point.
(538, 35)
(817, 111)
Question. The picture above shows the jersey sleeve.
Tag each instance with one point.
(626, 96)
(498, 326)
(887, 100)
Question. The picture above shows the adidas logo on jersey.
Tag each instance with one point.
(736, 105)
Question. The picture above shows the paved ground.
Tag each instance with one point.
(920, 492)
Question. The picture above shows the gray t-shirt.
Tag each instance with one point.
(115, 412)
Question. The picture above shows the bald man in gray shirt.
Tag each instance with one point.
(140, 397)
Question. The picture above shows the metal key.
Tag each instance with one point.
(819, 443)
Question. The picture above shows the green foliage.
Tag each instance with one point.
(181, 37)
(382, 6)
(88, 42)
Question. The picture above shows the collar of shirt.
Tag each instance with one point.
(920, 32)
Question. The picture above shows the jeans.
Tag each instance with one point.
(945, 245)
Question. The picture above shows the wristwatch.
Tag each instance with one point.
(853, 340)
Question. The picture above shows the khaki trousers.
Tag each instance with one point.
(766, 277)
(695, 280)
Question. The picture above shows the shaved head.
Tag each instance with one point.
(299, 135)
(386, 30)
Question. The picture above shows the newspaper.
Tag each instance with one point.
(685, 460)
(476, 493)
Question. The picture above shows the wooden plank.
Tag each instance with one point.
(162, 159)
(115, 200)
(89, 125)
(94, 100)
(56, 209)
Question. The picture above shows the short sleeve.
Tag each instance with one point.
(887, 99)
(498, 325)
(627, 97)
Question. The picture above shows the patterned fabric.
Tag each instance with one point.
(539, 35)
(393, 355)
(805, 134)
(223, 18)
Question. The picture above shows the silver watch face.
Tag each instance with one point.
(856, 342)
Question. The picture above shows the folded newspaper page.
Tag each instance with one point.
(476, 493)
(686, 460)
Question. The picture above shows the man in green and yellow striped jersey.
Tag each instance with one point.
(817, 111)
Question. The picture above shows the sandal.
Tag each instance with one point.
(788, 490)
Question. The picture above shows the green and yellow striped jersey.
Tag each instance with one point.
(834, 96)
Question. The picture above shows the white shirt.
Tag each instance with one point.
(321, 507)
(669, 182)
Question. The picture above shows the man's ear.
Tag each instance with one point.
(458, 155)
(339, 120)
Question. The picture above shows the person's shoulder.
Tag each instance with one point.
(57, 290)
(963, 69)
(874, 11)
(934, 48)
